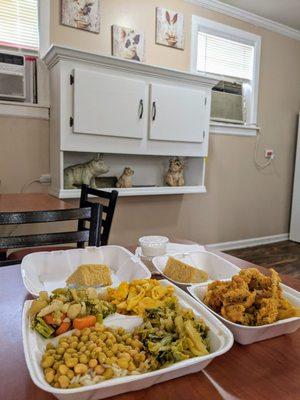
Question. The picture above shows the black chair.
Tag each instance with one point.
(91, 213)
(108, 202)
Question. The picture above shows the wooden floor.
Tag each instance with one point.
(284, 257)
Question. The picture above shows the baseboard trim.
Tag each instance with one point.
(239, 244)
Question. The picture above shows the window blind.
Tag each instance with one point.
(221, 56)
(19, 23)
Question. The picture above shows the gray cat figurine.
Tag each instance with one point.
(84, 173)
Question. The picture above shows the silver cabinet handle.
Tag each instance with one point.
(153, 111)
(141, 109)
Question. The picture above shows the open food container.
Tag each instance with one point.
(220, 337)
(250, 334)
(215, 266)
(49, 270)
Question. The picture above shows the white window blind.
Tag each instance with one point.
(19, 23)
(217, 55)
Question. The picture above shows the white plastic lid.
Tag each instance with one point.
(153, 241)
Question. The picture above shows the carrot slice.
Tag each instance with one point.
(49, 319)
(84, 322)
(63, 328)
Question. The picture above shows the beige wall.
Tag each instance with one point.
(242, 201)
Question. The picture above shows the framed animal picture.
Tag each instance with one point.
(169, 28)
(81, 14)
(128, 43)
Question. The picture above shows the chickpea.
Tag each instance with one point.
(50, 352)
(71, 362)
(83, 359)
(136, 343)
(108, 373)
(84, 338)
(57, 364)
(114, 359)
(73, 345)
(128, 341)
(86, 331)
(131, 366)
(123, 363)
(109, 342)
(60, 350)
(47, 361)
(133, 352)
(63, 381)
(63, 369)
(93, 363)
(49, 346)
(109, 353)
(57, 357)
(49, 376)
(56, 385)
(99, 370)
(121, 347)
(70, 374)
(115, 348)
(80, 369)
(80, 345)
(92, 346)
(70, 351)
(126, 356)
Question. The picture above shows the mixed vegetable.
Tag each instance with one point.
(168, 334)
(66, 309)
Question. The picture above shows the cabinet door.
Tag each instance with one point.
(110, 105)
(178, 113)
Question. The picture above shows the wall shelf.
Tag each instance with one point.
(136, 115)
(135, 191)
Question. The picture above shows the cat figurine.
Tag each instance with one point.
(174, 176)
(125, 180)
(76, 175)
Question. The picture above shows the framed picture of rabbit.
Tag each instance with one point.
(169, 28)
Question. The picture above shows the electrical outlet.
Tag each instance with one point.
(45, 178)
(269, 154)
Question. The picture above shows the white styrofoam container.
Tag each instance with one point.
(49, 270)
(215, 266)
(250, 334)
(221, 341)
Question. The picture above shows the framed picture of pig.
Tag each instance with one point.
(81, 14)
(128, 43)
(169, 28)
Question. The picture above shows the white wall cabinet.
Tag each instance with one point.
(178, 114)
(103, 104)
(110, 105)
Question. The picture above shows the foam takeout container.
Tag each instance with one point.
(215, 266)
(220, 337)
(50, 269)
(250, 334)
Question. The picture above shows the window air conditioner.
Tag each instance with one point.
(12, 77)
(227, 103)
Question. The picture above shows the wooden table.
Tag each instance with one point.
(12, 202)
(268, 370)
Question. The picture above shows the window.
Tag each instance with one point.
(19, 24)
(232, 56)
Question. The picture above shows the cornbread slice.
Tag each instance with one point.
(184, 273)
(90, 275)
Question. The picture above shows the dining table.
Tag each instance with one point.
(266, 370)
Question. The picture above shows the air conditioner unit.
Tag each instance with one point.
(12, 77)
(227, 103)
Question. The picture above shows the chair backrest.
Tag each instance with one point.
(109, 200)
(92, 213)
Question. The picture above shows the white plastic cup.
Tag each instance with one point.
(153, 245)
